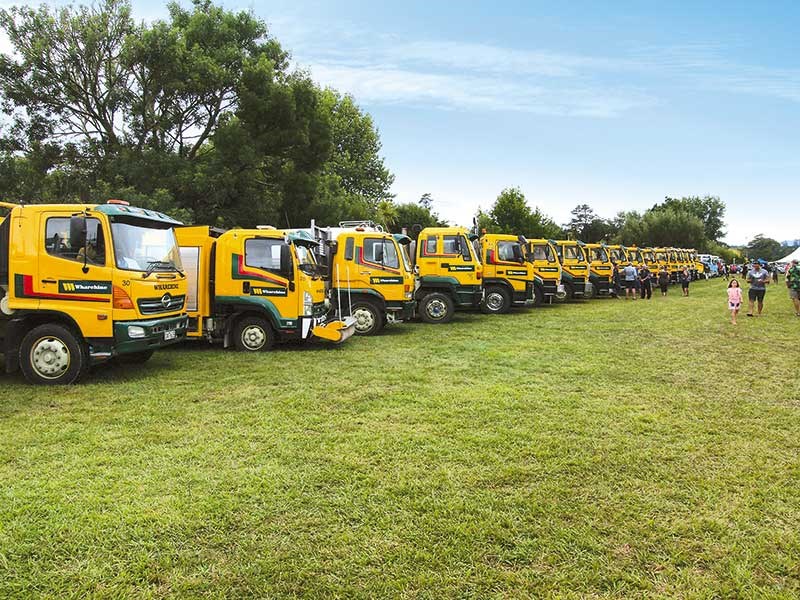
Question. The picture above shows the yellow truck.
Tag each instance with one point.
(546, 266)
(83, 283)
(508, 279)
(369, 273)
(634, 256)
(250, 288)
(449, 274)
(574, 268)
(600, 270)
(661, 259)
(617, 254)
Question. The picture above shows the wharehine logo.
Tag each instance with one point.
(84, 287)
(516, 272)
(460, 268)
(265, 291)
(385, 280)
(166, 286)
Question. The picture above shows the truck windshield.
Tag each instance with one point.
(543, 252)
(304, 255)
(599, 254)
(406, 257)
(573, 253)
(633, 256)
(145, 246)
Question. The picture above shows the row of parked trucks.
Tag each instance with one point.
(84, 284)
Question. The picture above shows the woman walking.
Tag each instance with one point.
(685, 279)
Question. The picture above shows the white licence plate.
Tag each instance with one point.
(170, 335)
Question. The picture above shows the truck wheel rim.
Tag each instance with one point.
(50, 357)
(436, 309)
(365, 319)
(494, 301)
(254, 337)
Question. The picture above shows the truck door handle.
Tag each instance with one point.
(363, 272)
(49, 281)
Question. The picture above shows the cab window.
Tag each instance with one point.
(573, 253)
(450, 244)
(381, 251)
(429, 247)
(58, 243)
(263, 253)
(543, 252)
(508, 251)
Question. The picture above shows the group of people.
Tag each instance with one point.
(639, 282)
(759, 278)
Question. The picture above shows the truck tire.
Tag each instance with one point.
(253, 334)
(369, 317)
(52, 354)
(436, 308)
(595, 293)
(135, 358)
(496, 301)
(538, 295)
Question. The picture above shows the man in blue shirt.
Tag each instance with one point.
(629, 274)
(758, 279)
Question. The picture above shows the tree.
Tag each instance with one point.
(709, 209)
(413, 217)
(585, 225)
(426, 201)
(200, 111)
(672, 227)
(766, 248)
(510, 213)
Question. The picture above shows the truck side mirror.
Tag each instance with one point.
(77, 232)
(287, 265)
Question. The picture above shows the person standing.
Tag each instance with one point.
(685, 278)
(663, 280)
(774, 273)
(758, 279)
(793, 283)
(645, 283)
(630, 275)
(734, 299)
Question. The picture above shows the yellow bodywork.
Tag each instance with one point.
(503, 258)
(48, 273)
(543, 256)
(259, 272)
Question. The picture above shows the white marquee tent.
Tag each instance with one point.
(791, 257)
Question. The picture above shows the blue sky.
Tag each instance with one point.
(612, 104)
(572, 102)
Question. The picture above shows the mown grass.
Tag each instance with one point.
(602, 449)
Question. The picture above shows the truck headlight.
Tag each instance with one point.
(135, 332)
(408, 295)
(308, 304)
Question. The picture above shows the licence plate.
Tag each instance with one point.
(170, 335)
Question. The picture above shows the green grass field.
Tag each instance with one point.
(598, 449)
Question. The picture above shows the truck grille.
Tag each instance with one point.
(165, 303)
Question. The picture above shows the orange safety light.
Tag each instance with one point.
(121, 298)
(120, 202)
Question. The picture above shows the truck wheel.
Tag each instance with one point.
(52, 354)
(369, 319)
(595, 292)
(436, 308)
(538, 295)
(569, 293)
(253, 334)
(496, 301)
(135, 358)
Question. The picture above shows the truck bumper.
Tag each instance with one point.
(335, 331)
(148, 334)
(401, 311)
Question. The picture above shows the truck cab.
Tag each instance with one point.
(618, 255)
(600, 269)
(250, 288)
(449, 273)
(508, 279)
(542, 256)
(83, 283)
(369, 273)
(574, 268)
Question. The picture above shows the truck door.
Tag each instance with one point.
(379, 266)
(457, 260)
(260, 276)
(74, 275)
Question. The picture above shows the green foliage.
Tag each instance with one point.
(414, 216)
(709, 209)
(199, 110)
(511, 214)
(766, 248)
(596, 450)
(586, 226)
